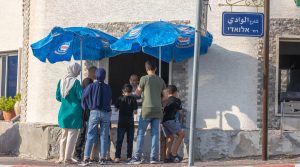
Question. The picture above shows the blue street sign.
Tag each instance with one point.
(243, 24)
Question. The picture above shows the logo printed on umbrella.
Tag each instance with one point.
(63, 48)
(134, 33)
(184, 42)
(105, 43)
(186, 30)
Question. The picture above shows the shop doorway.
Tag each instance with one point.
(288, 77)
(122, 66)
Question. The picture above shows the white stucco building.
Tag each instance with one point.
(11, 42)
(228, 114)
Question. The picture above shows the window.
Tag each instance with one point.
(9, 74)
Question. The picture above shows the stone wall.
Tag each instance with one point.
(38, 141)
(29, 140)
(279, 27)
(181, 81)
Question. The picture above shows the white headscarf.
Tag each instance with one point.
(68, 81)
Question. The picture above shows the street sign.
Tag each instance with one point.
(243, 24)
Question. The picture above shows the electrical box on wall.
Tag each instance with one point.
(297, 2)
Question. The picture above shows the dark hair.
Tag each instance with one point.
(150, 65)
(127, 88)
(86, 83)
(92, 68)
(171, 89)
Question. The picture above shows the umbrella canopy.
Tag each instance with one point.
(162, 40)
(80, 42)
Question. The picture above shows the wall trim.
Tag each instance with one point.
(24, 59)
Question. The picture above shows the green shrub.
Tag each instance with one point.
(7, 104)
(18, 97)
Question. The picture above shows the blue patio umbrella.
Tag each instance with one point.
(163, 40)
(80, 42)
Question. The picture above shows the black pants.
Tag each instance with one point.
(79, 147)
(120, 136)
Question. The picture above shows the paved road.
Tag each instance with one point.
(278, 162)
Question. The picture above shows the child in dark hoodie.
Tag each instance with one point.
(97, 98)
(127, 106)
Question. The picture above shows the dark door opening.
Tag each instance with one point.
(289, 77)
(122, 66)
(289, 64)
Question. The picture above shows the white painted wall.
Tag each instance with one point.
(11, 25)
(228, 83)
(227, 78)
(284, 9)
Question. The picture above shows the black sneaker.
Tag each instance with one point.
(86, 162)
(109, 160)
(175, 158)
(168, 160)
(93, 161)
(76, 159)
(103, 161)
(134, 161)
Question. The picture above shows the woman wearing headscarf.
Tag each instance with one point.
(69, 93)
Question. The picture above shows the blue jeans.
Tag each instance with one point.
(102, 118)
(143, 124)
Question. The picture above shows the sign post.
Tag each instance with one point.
(265, 98)
(243, 24)
(195, 82)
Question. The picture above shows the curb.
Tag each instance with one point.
(277, 165)
(23, 166)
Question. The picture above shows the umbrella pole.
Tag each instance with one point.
(170, 72)
(159, 130)
(160, 61)
(81, 59)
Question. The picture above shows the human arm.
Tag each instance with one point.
(180, 110)
(78, 90)
(58, 94)
(117, 104)
(139, 90)
(135, 106)
(85, 93)
(109, 95)
(181, 116)
(163, 91)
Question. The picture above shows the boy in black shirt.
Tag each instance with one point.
(127, 106)
(172, 125)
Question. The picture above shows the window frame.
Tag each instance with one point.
(7, 54)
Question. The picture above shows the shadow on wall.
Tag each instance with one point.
(10, 139)
(227, 97)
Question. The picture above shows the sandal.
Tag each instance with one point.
(69, 161)
(59, 161)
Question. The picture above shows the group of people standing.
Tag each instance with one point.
(84, 107)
